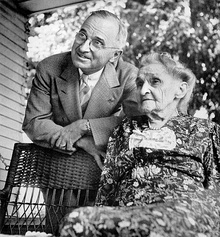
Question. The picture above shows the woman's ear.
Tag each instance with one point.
(182, 90)
(116, 56)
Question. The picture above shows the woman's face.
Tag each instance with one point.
(156, 89)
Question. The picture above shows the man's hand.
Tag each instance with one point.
(87, 144)
(66, 137)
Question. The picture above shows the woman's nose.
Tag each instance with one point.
(145, 88)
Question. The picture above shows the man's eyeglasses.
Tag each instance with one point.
(94, 44)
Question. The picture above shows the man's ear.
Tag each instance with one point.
(182, 90)
(116, 56)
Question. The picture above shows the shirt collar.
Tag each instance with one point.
(93, 76)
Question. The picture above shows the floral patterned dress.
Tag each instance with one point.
(156, 182)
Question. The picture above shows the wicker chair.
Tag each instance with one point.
(42, 186)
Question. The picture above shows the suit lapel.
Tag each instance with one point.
(68, 90)
(102, 98)
(103, 95)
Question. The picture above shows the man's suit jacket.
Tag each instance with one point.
(54, 99)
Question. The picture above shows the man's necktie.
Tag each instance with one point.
(85, 92)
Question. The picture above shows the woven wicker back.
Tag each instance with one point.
(43, 185)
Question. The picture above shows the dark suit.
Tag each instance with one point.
(54, 99)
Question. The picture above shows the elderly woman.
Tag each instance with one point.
(161, 173)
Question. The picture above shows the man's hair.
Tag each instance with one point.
(178, 70)
(122, 29)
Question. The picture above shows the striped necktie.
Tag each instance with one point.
(85, 91)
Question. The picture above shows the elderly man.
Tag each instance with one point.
(78, 97)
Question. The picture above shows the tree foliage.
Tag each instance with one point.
(54, 32)
(187, 29)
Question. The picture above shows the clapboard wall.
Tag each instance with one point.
(13, 46)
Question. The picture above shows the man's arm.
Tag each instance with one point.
(87, 143)
(38, 123)
(40, 127)
(43, 126)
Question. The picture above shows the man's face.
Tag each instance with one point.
(102, 32)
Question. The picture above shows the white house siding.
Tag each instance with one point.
(13, 45)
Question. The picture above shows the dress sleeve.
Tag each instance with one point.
(212, 159)
(114, 167)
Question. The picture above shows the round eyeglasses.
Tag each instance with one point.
(94, 44)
